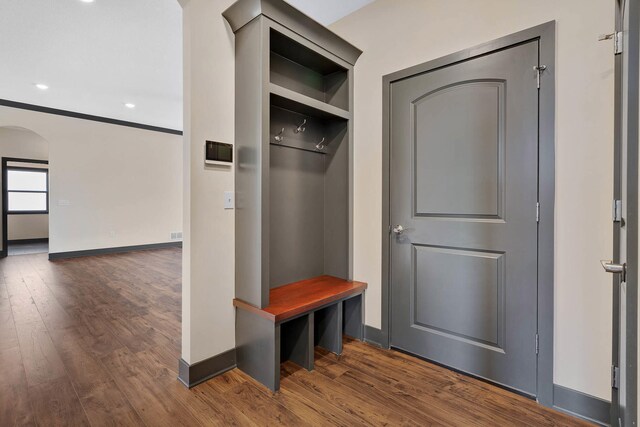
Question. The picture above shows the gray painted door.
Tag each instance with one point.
(624, 351)
(464, 174)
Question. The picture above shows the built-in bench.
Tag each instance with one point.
(300, 316)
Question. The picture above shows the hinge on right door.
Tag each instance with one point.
(617, 210)
(617, 43)
(617, 38)
(537, 211)
(537, 344)
(539, 69)
(615, 377)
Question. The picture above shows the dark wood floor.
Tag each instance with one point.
(95, 341)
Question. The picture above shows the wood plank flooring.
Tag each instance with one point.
(95, 341)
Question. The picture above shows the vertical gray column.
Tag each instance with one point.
(258, 348)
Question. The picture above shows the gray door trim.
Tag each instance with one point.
(545, 33)
(632, 50)
(617, 195)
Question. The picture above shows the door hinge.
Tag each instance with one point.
(617, 210)
(618, 43)
(537, 344)
(537, 211)
(615, 377)
(617, 38)
(539, 69)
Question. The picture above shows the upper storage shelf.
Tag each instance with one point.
(306, 72)
(302, 104)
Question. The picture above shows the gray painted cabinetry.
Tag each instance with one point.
(294, 84)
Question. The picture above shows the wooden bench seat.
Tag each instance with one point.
(300, 316)
(289, 301)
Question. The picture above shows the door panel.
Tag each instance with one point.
(469, 117)
(469, 306)
(464, 165)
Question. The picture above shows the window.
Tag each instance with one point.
(27, 191)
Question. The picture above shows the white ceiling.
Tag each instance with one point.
(327, 12)
(95, 57)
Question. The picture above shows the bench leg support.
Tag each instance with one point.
(258, 348)
(354, 317)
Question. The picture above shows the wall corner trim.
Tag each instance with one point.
(117, 250)
(581, 405)
(192, 375)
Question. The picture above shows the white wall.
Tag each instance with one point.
(397, 34)
(123, 185)
(208, 255)
(21, 143)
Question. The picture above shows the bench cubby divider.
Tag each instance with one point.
(328, 328)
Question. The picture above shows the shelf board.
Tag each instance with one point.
(294, 101)
(294, 299)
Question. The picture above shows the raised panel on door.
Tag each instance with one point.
(461, 125)
(459, 294)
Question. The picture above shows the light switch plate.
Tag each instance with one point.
(228, 200)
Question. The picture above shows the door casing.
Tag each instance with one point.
(5, 201)
(631, 48)
(545, 33)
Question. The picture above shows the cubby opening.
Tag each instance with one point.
(328, 328)
(302, 70)
(295, 341)
(308, 196)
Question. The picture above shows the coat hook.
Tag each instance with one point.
(279, 136)
(320, 145)
(301, 127)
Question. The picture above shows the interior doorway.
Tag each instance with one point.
(25, 192)
(25, 189)
(457, 236)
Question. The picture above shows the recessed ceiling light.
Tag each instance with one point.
(42, 86)
(87, 1)
(130, 105)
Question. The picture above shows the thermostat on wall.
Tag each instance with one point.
(218, 153)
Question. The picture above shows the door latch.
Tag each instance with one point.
(610, 267)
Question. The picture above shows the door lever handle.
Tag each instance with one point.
(610, 267)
